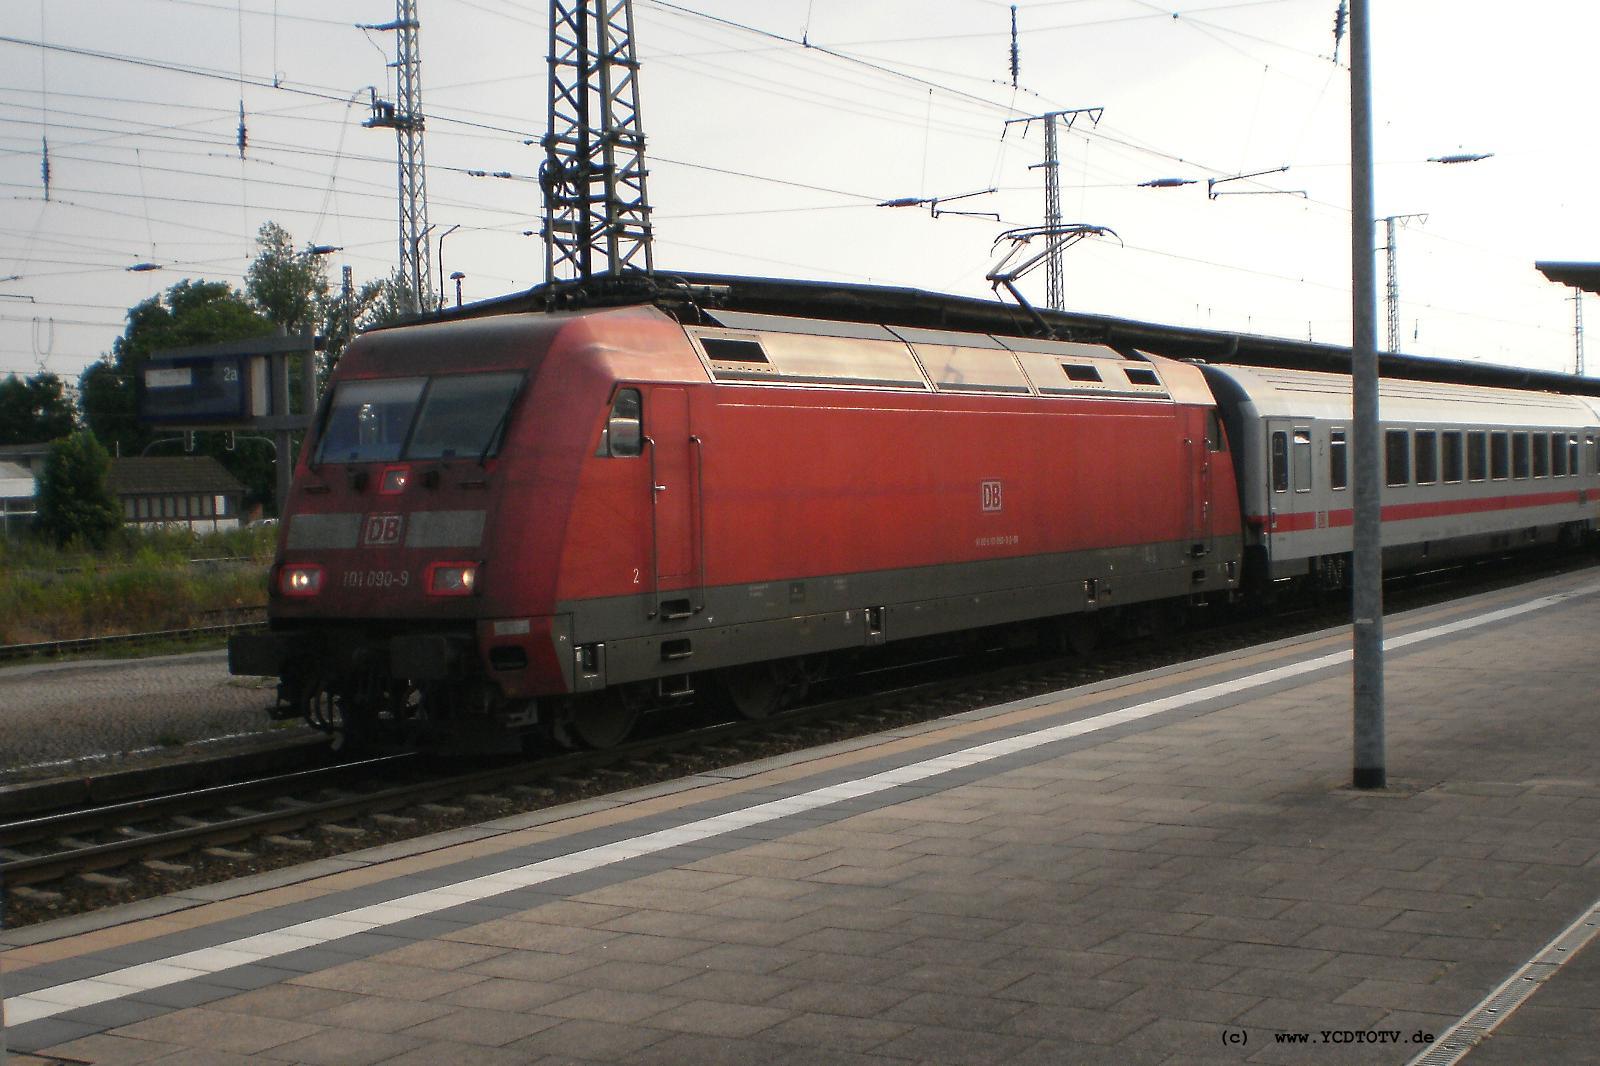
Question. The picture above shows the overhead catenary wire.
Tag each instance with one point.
(1111, 159)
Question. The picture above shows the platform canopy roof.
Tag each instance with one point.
(1585, 276)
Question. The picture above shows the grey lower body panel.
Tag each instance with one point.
(692, 630)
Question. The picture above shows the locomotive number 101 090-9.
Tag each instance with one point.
(375, 579)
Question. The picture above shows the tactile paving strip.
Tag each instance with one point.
(1483, 1019)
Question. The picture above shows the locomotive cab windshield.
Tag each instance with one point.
(455, 416)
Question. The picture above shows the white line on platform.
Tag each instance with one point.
(57, 999)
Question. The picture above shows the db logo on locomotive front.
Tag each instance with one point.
(382, 530)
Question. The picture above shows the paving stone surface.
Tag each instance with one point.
(1204, 888)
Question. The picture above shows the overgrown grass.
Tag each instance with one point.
(143, 582)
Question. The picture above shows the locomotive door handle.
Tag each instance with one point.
(699, 530)
(655, 533)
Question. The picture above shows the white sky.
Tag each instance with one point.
(145, 169)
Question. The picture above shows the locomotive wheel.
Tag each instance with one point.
(603, 721)
(1083, 635)
(356, 731)
(759, 690)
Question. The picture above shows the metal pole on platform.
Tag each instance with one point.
(1367, 557)
(4, 1056)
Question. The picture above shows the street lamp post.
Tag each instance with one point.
(456, 277)
(442, 236)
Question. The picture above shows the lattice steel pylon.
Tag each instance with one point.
(1392, 287)
(1055, 297)
(405, 117)
(596, 212)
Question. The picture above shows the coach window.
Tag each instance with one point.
(1477, 456)
(1499, 456)
(1397, 458)
(1338, 459)
(1573, 456)
(1588, 444)
(1450, 455)
(1280, 462)
(1427, 456)
(1541, 454)
(1302, 460)
(1558, 455)
(1519, 455)
(624, 433)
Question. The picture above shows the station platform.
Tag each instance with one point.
(1169, 868)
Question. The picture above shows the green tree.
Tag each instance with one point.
(75, 501)
(290, 287)
(385, 301)
(34, 410)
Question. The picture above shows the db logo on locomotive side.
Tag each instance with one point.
(990, 495)
(382, 530)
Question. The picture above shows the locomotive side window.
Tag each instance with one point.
(1338, 459)
(1477, 456)
(1450, 453)
(1541, 454)
(1519, 455)
(1397, 457)
(1214, 441)
(1280, 462)
(368, 420)
(1558, 455)
(624, 432)
(1500, 456)
(463, 415)
(1302, 460)
(1427, 454)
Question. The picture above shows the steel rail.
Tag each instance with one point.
(53, 648)
(145, 808)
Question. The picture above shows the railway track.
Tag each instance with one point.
(161, 842)
(51, 649)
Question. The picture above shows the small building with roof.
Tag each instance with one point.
(194, 492)
(18, 498)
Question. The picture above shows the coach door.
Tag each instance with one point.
(1203, 447)
(1290, 500)
(675, 492)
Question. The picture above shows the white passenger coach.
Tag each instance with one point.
(1466, 469)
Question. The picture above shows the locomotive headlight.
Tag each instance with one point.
(300, 579)
(451, 579)
(394, 480)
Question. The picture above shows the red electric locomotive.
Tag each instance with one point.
(565, 518)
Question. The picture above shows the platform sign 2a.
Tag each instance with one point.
(236, 385)
(199, 390)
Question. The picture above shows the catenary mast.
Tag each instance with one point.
(404, 116)
(596, 213)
